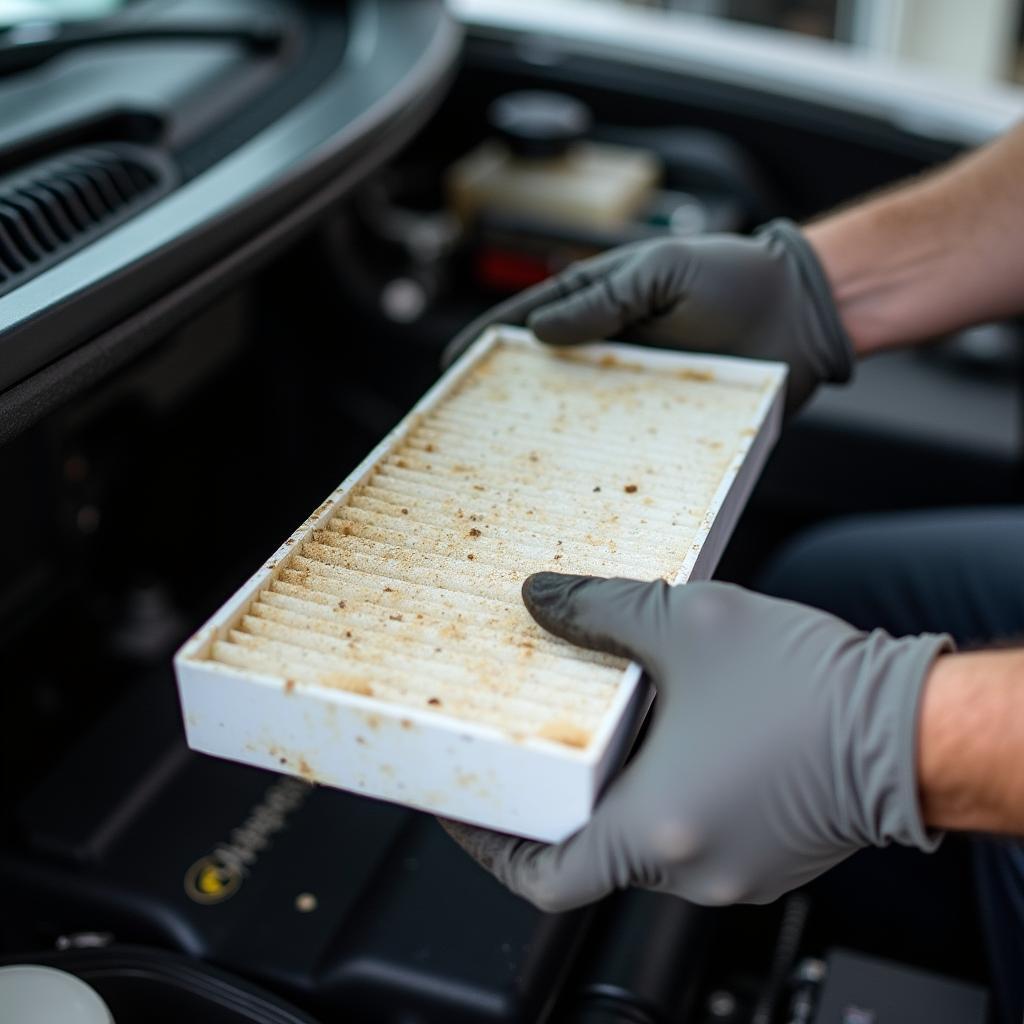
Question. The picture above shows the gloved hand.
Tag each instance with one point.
(765, 297)
(782, 741)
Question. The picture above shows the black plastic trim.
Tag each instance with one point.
(400, 54)
(53, 208)
(158, 972)
(29, 401)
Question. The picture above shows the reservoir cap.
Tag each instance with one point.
(538, 123)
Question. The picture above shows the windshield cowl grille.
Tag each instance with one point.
(58, 206)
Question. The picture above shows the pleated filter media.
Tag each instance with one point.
(385, 649)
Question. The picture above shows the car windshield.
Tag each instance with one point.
(18, 12)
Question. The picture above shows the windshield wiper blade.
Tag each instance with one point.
(20, 50)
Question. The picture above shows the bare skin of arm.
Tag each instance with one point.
(938, 253)
(971, 743)
(930, 256)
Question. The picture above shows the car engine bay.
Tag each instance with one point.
(188, 369)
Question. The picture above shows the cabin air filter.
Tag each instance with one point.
(384, 648)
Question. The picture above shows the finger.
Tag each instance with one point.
(617, 848)
(607, 307)
(512, 311)
(627, 618)
(512, 861)
(517, 309)
(564, 876)
(482, 844)
(612, 851)
(553, 878)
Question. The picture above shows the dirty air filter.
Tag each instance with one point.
(385, 648)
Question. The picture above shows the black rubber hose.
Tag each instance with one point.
(645, 963)
(787, 948)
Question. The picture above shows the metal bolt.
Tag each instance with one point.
(84, 940)
(87, 519)
(689, 217)
(810, 971)
(721, 1004)
(305, 903)
(403, 300)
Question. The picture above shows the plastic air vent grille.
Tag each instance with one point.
(53, 208)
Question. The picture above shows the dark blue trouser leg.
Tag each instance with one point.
(954, 571)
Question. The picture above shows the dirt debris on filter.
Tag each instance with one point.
(564, 732)
(348, 683)
(381, 598)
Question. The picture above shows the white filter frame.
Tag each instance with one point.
(425, 759)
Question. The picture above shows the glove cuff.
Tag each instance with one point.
(917, 664)
(835, 355)
(878, 764)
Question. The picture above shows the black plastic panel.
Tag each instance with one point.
(397, 61)
(56, 207)
(350, 906)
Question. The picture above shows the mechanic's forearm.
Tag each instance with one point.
(971, 743)
(933, 255)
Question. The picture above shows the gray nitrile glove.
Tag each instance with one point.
(782, 741)
(765, 297)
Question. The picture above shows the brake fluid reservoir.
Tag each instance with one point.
(541, 167)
